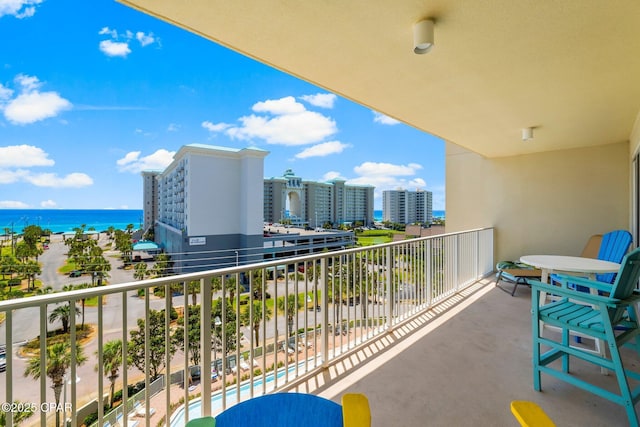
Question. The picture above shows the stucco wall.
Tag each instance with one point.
(548, 203)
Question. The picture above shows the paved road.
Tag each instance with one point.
(26, 323)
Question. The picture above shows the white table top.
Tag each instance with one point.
(570, 263)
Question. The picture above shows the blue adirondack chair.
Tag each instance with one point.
(614, 247)
(292, 410)
(611, 318)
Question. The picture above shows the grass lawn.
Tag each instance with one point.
(376, 237)
(32, 348)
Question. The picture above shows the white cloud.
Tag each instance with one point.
(12, 204)
(48, 204)
(11, 176)
(132, 162)
(302, 128)
(19, 8)
(119, 42)
(286, 105)
(323, 100)
(283, 121)
(173, 127)
(215, 127)
(23, 156)
(331, 175)
(388, 176)
(74, 180)
(386, 169)
(111, 48)
(109, 31)
(14, 160)
(130, 157)
(384, 120)
(322, 149)
(5, 93)
(145, 39)
(28, 83)
(32, 107)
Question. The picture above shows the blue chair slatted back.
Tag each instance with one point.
(625, 283)
(282, 410)
(614, 247)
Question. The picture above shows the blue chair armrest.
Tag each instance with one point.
(565, 279)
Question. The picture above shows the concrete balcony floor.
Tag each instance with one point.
(463, 368)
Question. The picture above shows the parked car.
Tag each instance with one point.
(75, 273)
(194, 371)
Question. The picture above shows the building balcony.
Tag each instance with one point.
(418, 326)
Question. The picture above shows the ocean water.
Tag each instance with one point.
(377, 215)
(62, 220)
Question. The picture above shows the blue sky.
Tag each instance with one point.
(93, 92)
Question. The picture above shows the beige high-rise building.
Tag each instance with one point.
(314, 204)
(209, 207)
(149, 199)
(407, 207)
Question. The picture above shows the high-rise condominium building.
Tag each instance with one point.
(209, 201)
(407, 207)
(149, 199)
(311, 203)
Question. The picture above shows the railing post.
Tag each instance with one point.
(43, 366)
(389, 280)
(205, 345)
(100, 362)
(429, 272)
(456, 270)
(9, 361)
(324, 300)
(73, 364)
(476, 273)
(186, 373)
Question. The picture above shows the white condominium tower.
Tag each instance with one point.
(407, 207)
(316, 203)
(209, 207)
(150, 198)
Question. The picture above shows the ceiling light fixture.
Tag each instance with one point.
(422, 36)
(527, 134)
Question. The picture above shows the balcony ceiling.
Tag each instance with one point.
(570, 69)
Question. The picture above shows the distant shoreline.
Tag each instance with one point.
(66, 220)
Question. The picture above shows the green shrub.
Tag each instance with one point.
(92, 418)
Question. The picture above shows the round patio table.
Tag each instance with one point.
(574, 265)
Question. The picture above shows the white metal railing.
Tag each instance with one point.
(263, 326)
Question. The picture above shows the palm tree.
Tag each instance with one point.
(58, 360)
(194, 288)
(293, 304)
(63, 313)
(30, 268)
(111, 361)
(83, 300)
(257, 318)
(140, 271)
